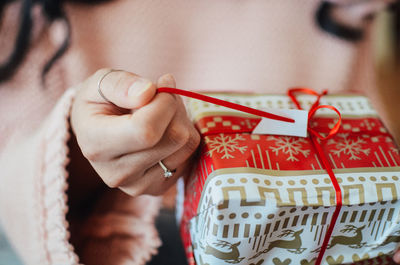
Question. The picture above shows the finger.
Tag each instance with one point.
(130, 167)
(166, 80)
(123, 89)
(122, 134)
(153, 182)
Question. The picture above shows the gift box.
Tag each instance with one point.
(269, 199)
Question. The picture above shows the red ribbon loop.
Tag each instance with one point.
(314, 108)
(308, 91)
(335, 128)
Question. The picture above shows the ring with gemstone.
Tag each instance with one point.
(167, 173)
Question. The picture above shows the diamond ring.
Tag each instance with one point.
(167, 173)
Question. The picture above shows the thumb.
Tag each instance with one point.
(166, 80)
(123, 89)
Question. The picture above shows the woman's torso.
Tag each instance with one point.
(225, 45)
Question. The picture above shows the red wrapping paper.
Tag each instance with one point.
(362, 144)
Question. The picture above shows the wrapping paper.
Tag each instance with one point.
(266, 199)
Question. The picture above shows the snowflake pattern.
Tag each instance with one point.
(290, 146)
(225, 145)
(352, 147)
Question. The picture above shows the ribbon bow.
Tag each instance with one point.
(313, 135)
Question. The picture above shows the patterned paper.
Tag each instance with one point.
(266, 199)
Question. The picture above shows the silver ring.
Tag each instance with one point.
(101, 80)
(167, 173)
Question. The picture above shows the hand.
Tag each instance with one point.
(125, 139)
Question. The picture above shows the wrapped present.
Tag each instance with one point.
(269, 199)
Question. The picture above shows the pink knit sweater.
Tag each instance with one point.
(224, 45)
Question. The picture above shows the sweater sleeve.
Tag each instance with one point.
(33, 203)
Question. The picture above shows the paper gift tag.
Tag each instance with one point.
(298, 128)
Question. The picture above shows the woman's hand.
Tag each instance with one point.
(124, 140)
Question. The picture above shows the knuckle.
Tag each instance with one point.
(178, 134)
(112, 182)
(149, 135)
(194, 141)
(92, 154)
(115, 180)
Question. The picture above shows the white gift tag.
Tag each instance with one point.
(298, 128)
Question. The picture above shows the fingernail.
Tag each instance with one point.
(167, 80)
(138, 87)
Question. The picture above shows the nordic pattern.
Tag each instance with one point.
(293, 228)
(226, 145)
(350, 148)
(291, 147)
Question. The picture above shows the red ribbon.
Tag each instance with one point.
(313, 135)
(322, 157)
(224, 103)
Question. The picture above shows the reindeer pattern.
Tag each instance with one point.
(292, 245)
(230, 255)
(287, 246)
(254, 234)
